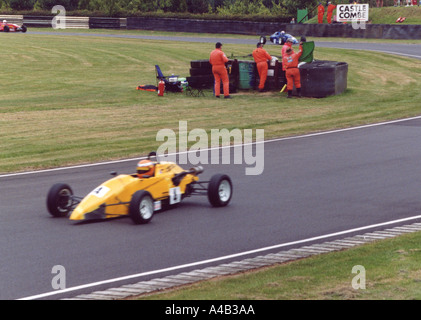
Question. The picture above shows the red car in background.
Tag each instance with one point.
(11, 27)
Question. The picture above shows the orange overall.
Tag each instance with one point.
(285, 47)
(290, 61)
(330, 9)
(217, 60)
(320, 13)
(261, 57)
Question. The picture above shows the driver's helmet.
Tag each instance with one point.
(145, 168)
(4, 22)
(282, 32)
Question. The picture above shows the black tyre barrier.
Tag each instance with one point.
(201, 74)
(320, 79)
(201, 64)
(205, 81)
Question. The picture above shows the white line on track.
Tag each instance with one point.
(231, 146)
(397, 53)
(382, 51)
(198, 263)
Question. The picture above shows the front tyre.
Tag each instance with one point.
(59, 200)
(141, 207)
(220, 190)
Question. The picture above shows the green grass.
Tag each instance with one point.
(70, 100)
(388, 15)
(392, 269)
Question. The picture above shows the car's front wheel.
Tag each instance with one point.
(141, 207)
(59, 200)
(220, 190)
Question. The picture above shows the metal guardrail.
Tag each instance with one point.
(46, 22)
(16, 19)
(70, 21)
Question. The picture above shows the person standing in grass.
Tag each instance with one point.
(217, 60)
(290, 61)
(261, 57)
(330, 9)
(320, 13)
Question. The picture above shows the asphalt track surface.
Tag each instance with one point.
(311, 186)
(409, 50)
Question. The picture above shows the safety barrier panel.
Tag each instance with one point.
(16, 19)
(378, 31)
(320, 79)
(70, 21)
(46, 22)
(104, 23)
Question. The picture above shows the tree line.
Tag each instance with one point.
(232, 7)
(262, 8)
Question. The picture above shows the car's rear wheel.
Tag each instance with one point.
(6, 29)
(59, 200)
(141, 207)
(220, 190)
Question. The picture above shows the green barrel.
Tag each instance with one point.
(247, 75)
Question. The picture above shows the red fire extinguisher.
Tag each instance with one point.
(161, 88)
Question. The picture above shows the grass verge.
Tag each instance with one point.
(392, 272)
(72, 99)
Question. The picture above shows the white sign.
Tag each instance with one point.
(175, 195)
(351, 12)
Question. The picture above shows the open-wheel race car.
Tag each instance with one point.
(11, 27)
(280, 37)
(155, 186)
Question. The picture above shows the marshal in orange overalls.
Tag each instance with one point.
(320, 13)
(261, 57)
(217, 60)
(330, 9)
(290, 61)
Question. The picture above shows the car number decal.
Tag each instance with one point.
(175, 195)
(100, 192)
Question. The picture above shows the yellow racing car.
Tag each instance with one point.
(156, 185)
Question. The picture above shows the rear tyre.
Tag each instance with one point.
(141, 207)
(220, 190)
(59, 200)
(6, 29)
